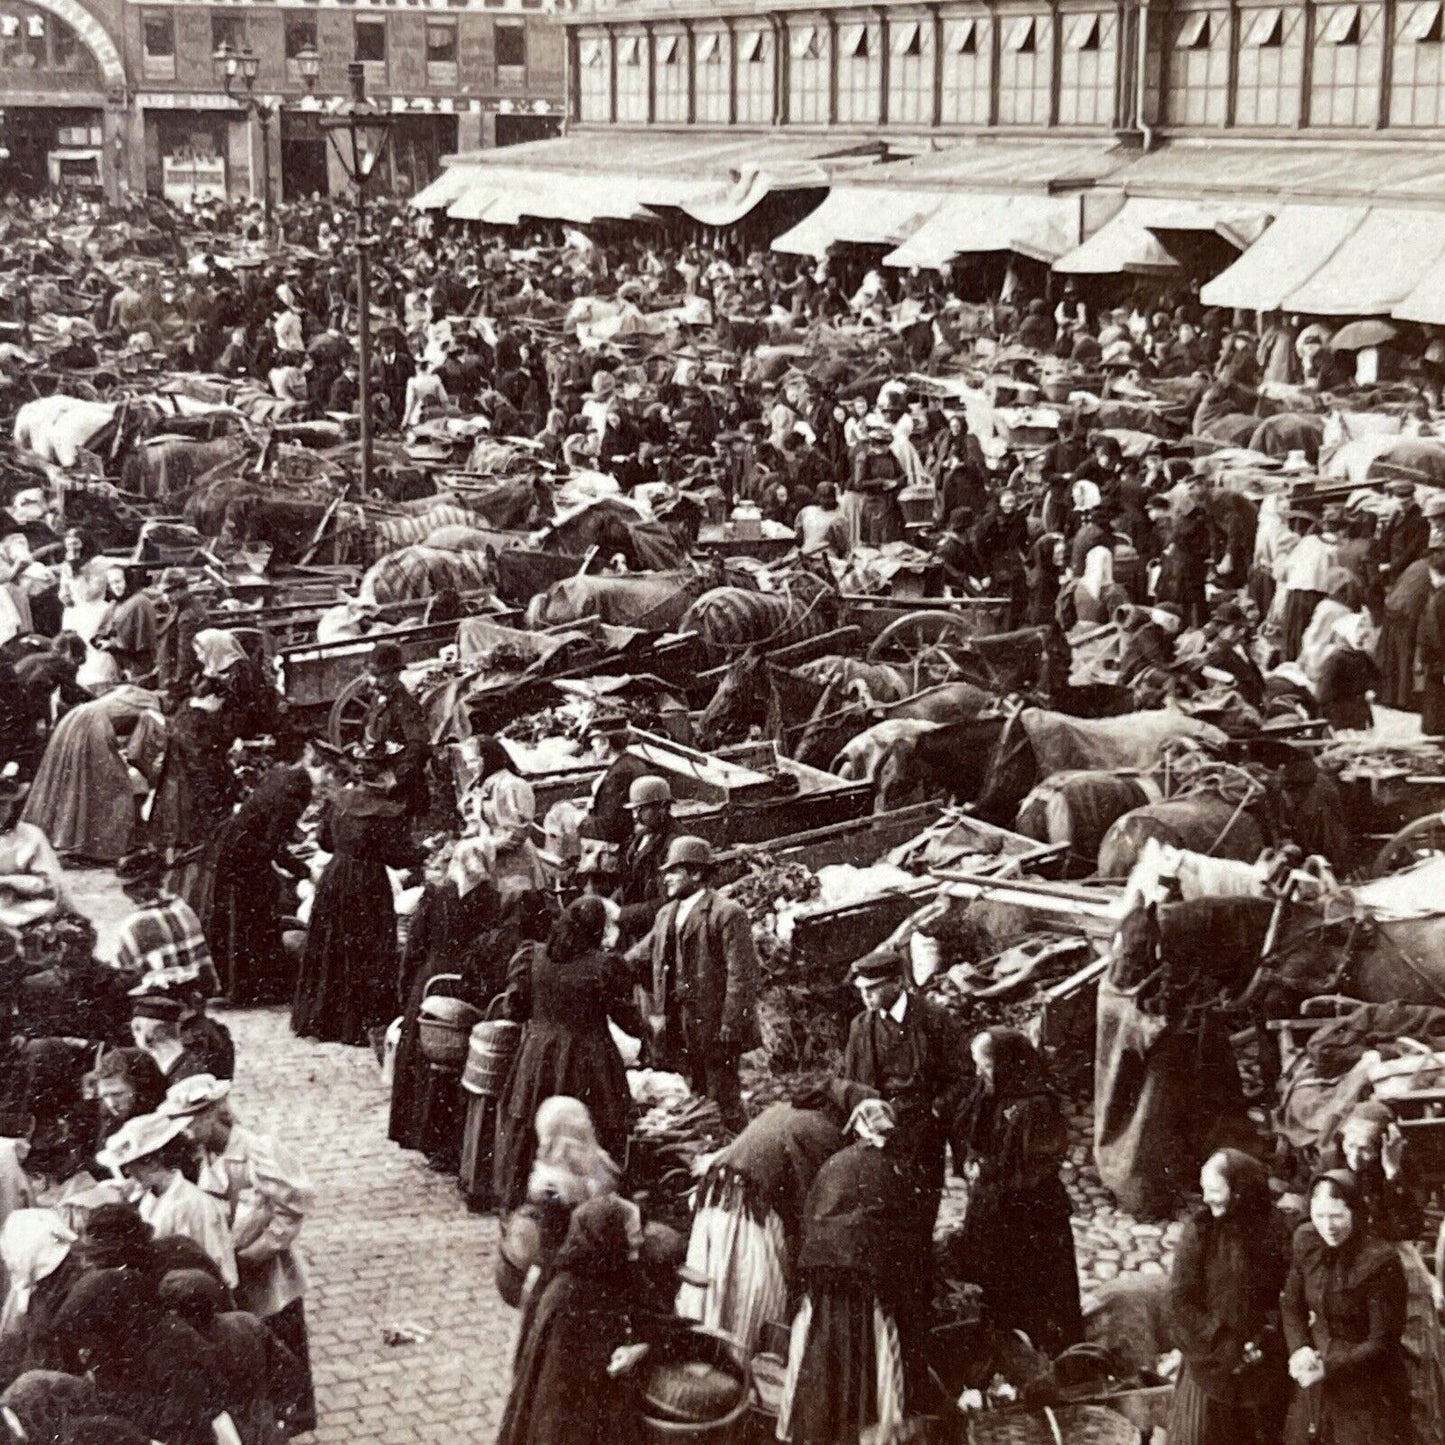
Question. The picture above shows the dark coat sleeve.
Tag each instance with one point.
(1387, 1303)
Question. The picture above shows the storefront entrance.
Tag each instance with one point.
(514, 130)
(418, 142)
(51, 147)
(303, 157)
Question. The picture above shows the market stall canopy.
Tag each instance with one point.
(1299, 242)
(865, 215)
(974, 223)
(717, 180)
(1426, 301)
(1375, 267)
(1301, 171)
(1130, 242)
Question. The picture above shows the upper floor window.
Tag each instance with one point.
(441, 53)
(511, 44)
(158, 47)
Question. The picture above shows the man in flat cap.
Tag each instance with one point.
(179, 618)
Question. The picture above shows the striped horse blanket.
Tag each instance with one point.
(416, 572)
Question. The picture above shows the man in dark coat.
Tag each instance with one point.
(910, 1050)
(1430, 645)
(704, 980)
(1406, 534)
(395, 724)
(641, 892)
(609, 819)
(1404, 606)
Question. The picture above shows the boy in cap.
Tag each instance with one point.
(179, 618)
(704, 980)
(608, 734)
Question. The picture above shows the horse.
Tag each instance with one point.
(995, 759)
(729, 619)
(656, 600)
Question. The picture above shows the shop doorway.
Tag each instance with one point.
(303, 158)
(418, 142)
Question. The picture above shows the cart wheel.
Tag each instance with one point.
(907, 636)
(1417, 841)
(348, 713)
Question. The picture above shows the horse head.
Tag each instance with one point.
(739, 700)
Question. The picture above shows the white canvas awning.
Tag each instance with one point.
(1299, 242)
(1041, 227)
(865, 215)
(1376, 266)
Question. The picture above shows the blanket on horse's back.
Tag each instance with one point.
(1337, 1049)
(1078, 808)
(1134, 741)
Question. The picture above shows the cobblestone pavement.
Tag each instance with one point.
(392, 1243)
(389, 1243)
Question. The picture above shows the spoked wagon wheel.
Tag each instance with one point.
(905, 637)
(348, 713)
(1414, 843)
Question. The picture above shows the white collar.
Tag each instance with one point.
(900, 1007)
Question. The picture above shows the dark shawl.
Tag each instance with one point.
(854, 1221)
(561, 1393)
(1225, 1284)
(771, 1165)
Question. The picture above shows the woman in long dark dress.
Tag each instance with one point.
(1344, 1307)
(565, 992)
(578, 1315)
(1229, 1267)
(244, 923)
(196, 789)
(346, 986)
(1016, 1242)
(458, 928)
(846, 1370)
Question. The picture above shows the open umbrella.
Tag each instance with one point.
(1360, 334)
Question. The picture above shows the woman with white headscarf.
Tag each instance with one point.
(457, 947)
(34, 1244)
(1348, 675)
(503, 808)
(1094, 595)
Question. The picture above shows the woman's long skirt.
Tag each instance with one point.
(347, 984)
(1423, 1345)
(845, 1369)
(746, 1264)
(1299, 607)
(1195, 1419)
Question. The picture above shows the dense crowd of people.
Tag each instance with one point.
(148, 1234)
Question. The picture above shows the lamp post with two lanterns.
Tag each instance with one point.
(237, 69)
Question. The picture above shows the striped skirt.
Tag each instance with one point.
(1424, 1349)
(746, 1263)
(845, 1371)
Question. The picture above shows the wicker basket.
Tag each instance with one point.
(444, 1026)
(1068, 1425)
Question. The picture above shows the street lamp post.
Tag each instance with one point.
(359, 135)
(237, 70)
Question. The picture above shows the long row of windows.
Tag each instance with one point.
(369, 44)
(1217, 68)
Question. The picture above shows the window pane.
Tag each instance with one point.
(300, 35)
(511, 44)
(160, 36)
(441, 43)
(371, 40)
(228, 30)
